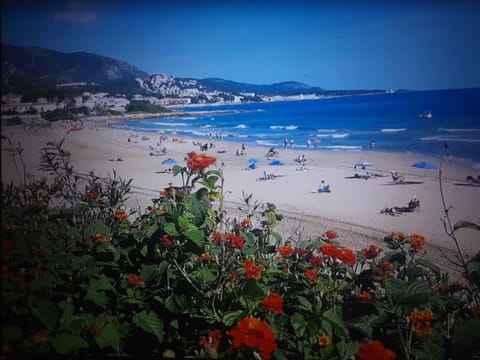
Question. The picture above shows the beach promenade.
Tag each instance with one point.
(353, 207)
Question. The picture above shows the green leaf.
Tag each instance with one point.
(417, 293)
(276, 236)
(148, 273)
(348, 350)
(66, 343)
(150, 323)
(98, 297)
(253, 290)
(176, 304)
(429, 265)
(101, 229)
(336, 321)
(194, 234)
(303, 304)
(298, 323)
(177, 169)
(11, 333)
(103, 283)
(170, 229)
(208, 275)
(111, 335)
(231, 317)
(151, 230)
(48, 313)
(465, 339)
(44, 282)
(463, 224)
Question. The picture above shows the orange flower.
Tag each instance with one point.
(198, 162)
(40, 252)
(273, 302)
(87, 241)
(417, 242)
(254, 334)
(252, 271)
(420, 320)
(371, 252)
(312, 275)
(212, 343)
(231, 240)
(121, 214)
(102, 239)
(364, 296)
(92, 196)
(330, 234)
(375, 350)
(286, 250)
(135, 281)
(329, 250)
(347, 256)
(396, 235)
(165, 240)
(203, 257)
(7, 247)
(324, 340)
(316, 261)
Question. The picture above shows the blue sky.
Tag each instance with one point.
(335, 44)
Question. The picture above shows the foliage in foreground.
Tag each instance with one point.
(82, 276)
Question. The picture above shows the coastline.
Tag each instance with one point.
(353, 208)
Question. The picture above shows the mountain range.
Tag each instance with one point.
(33, 69)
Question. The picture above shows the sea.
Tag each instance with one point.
(393, 122)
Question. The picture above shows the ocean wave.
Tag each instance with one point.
(326, 130)
(266, 143)
(341, 147)
(276, 127)
(291, 127)
(447, 138)
(241, 126)
(393, 130)
(457, 130)
(333, 136)
(169, 124)
(206, 126)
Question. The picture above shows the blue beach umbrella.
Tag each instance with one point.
(276, 163)
(169, 161)
(254, 161)
(425, 165)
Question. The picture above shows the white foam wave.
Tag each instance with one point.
(447, 138)
(393, 130)
(341, 147)
(326, 130)
(241, 126)
(169, 124)
(276, 127)
(457, 130)
(206, 126)
(291, 127)
(333, 136)
(266, 143)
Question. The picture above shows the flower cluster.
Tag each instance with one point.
(375, 350)
(231, 240)
(420, 320)
(343, 254)
(166, 241)
(211, 343)
(285, 250)
(417, 242)
(198, 162)
(252, 271)
(371, 252)
(331, 234)
(255, 334)
(121, 215)
(135, 281)
(324, 341)
(273, 302)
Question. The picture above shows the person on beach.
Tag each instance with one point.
(323, 187)
(372, 145)
(413, 204)
(292, 143)
(285, 142)
(308, 144)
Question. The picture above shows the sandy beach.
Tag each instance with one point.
(352, 208)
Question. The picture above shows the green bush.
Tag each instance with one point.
(82, 275)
